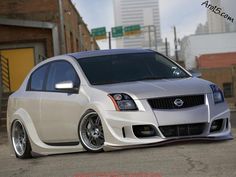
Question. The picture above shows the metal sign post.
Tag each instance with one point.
(109, 41)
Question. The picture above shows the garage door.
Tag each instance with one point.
(21, 61)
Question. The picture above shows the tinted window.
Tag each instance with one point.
(37, 78)
(129, 67)
(59, 72)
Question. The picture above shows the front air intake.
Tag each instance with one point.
(144, 131)
(182, 130)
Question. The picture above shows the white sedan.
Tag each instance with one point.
(112, 99)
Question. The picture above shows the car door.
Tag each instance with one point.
(31, 98)
(59, 109)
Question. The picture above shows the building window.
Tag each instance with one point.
(77, 45)
(71, 42)
(65, 39)
(228, 90)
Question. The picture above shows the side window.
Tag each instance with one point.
(37, 79)
(59, 72)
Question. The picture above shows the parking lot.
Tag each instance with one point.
(195, 159)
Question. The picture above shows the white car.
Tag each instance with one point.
(112, 99)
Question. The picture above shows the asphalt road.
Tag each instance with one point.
(193, 159)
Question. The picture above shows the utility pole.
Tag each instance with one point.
(149, 36)
(109, 39)
(151, 29)
(155, 36)
(176, 45)
(166, 46)
(81, 48)
(62, 31)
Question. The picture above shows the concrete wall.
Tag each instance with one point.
(195, 45)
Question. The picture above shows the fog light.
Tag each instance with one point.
(216, 125)
(142, 131)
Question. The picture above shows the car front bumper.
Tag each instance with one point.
(115, 123)
(112, 147)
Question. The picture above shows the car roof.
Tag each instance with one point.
(96, 53)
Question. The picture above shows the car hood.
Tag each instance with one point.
(159, 88)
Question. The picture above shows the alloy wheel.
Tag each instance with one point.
(91, 132)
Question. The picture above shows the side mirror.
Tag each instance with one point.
(67, 86)
(195, 73)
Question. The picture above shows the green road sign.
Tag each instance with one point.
(132, 30)
(99, 33)
(117, 31)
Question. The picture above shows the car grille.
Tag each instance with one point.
(182, 130)
(168, 102)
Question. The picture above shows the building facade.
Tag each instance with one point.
(194, 46)
(215, 23)
(220, 69)
(31, 31)
(201, 29)
(228, 7)
(145, 13)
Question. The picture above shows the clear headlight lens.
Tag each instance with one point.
(123, 102)
(217, 94)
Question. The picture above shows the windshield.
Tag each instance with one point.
(129, 67)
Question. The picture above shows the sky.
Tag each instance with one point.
(184, 14)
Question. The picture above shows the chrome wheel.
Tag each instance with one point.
(20, 140)
(91, 132)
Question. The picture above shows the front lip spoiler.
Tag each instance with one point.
(169, 141)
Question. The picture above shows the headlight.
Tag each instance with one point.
(123, 102)
(217, 94)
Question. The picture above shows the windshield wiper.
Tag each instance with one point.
(152, 78)
(147, 78)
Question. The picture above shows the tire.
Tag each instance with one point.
(20, 140)
(91, 132)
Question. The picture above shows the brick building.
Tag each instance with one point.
(220, 69)
(33, 30)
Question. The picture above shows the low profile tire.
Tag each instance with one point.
(20, 140)
(91, 132)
